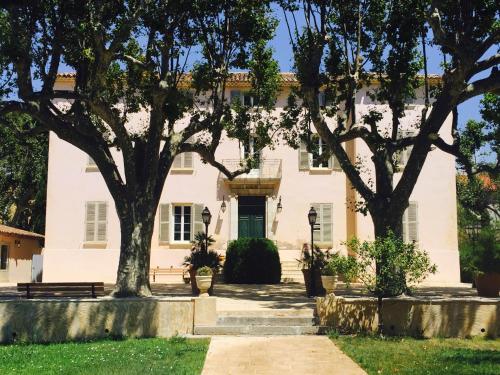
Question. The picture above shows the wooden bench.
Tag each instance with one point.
(72, 289)
(182, 272)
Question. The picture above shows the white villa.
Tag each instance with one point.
(82, 236)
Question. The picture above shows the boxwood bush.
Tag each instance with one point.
(252, 261)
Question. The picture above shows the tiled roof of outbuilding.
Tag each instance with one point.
(5, 229)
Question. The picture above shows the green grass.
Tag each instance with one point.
(415, 356)
(144, 356)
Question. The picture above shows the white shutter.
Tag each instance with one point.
(403, 155)
(188, 160)
(90, 214)
(198, 225)
(412, 222)
(326, 223)
(303, 157)
(334, 163)
(177, 164)
(102, 221)
(91, 162)
(164, 222)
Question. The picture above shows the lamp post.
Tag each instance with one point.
(206, 216)
(312, 215)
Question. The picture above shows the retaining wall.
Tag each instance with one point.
(453, 317)
(58, 320)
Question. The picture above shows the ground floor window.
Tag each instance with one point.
(96, 221)
(324, 223)
(182, 223)
(410, 223)
(3, 257)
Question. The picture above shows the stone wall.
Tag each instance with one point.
(454, 317)
(58, 320)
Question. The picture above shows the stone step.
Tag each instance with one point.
(265, 321)
(259, 330)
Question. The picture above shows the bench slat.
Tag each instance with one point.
(59, 284)
(83, 289)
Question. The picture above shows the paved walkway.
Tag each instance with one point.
(290, 355)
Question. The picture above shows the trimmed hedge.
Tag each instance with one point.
(252, 261)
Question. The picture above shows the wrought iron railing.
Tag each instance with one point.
(264, 168)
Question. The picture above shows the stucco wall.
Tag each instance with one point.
(458, 317)
(19, 261)
(85, 319)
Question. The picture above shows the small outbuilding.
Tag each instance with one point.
(17, 249)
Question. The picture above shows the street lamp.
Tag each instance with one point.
(206, 216)
(312, 216)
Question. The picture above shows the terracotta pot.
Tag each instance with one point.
(488, 284)
(317, 282)
(194, 286)
(204, 283)
(329, 283)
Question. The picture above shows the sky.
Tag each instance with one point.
(466, 111)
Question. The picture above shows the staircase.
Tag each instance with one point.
(263, 322)
(291, 272)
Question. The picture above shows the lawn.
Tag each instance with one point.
(145, 356)
(431, 356)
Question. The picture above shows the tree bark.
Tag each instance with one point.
(133, 268)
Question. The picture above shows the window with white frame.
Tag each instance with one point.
(249, 149)
(243, 97)
(96, 221)
(324, 221)
(410, 223)
(316, 159)
(183, 161)
(4, 257)
(182, 223)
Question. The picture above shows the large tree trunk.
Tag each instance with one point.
(135, 250)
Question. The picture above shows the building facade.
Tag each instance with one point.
(272, 201)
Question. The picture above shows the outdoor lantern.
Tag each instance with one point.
(312, 215)
(279, 207)
(206, 216)
(223, 205)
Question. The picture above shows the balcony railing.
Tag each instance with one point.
(267, 169)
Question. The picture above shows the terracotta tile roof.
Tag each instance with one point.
(238, 78)
(4, 229)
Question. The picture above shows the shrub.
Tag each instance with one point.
(252, 261)
(340, 265)
(199, 257)
(321, 258)
(481, 255)
(204, 271)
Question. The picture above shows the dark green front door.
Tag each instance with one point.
(251, 217)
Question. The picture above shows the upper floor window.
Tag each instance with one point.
(249, 150)
(183, 161)
(318, 157)
(91, 165)
(402, 156)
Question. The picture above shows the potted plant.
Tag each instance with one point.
(204, 276)
(320, 260)
(481, 257)
(338, 265)
(199, 258)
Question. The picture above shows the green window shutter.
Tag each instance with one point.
(164, 222)
(90, 214)
(198, 225)
(303, 157)
(102, 221)
(326, 222)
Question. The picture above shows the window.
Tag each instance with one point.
(4, 256)
(403, 155)
(96, 222)
(244, 98)
(324, 222)
(316, 159)
(249, 149)
(410, 223)
(183, 161)
(182, 223)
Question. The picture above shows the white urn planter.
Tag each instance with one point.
(203, 283)
(329, 283)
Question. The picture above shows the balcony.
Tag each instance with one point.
(259, 181)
